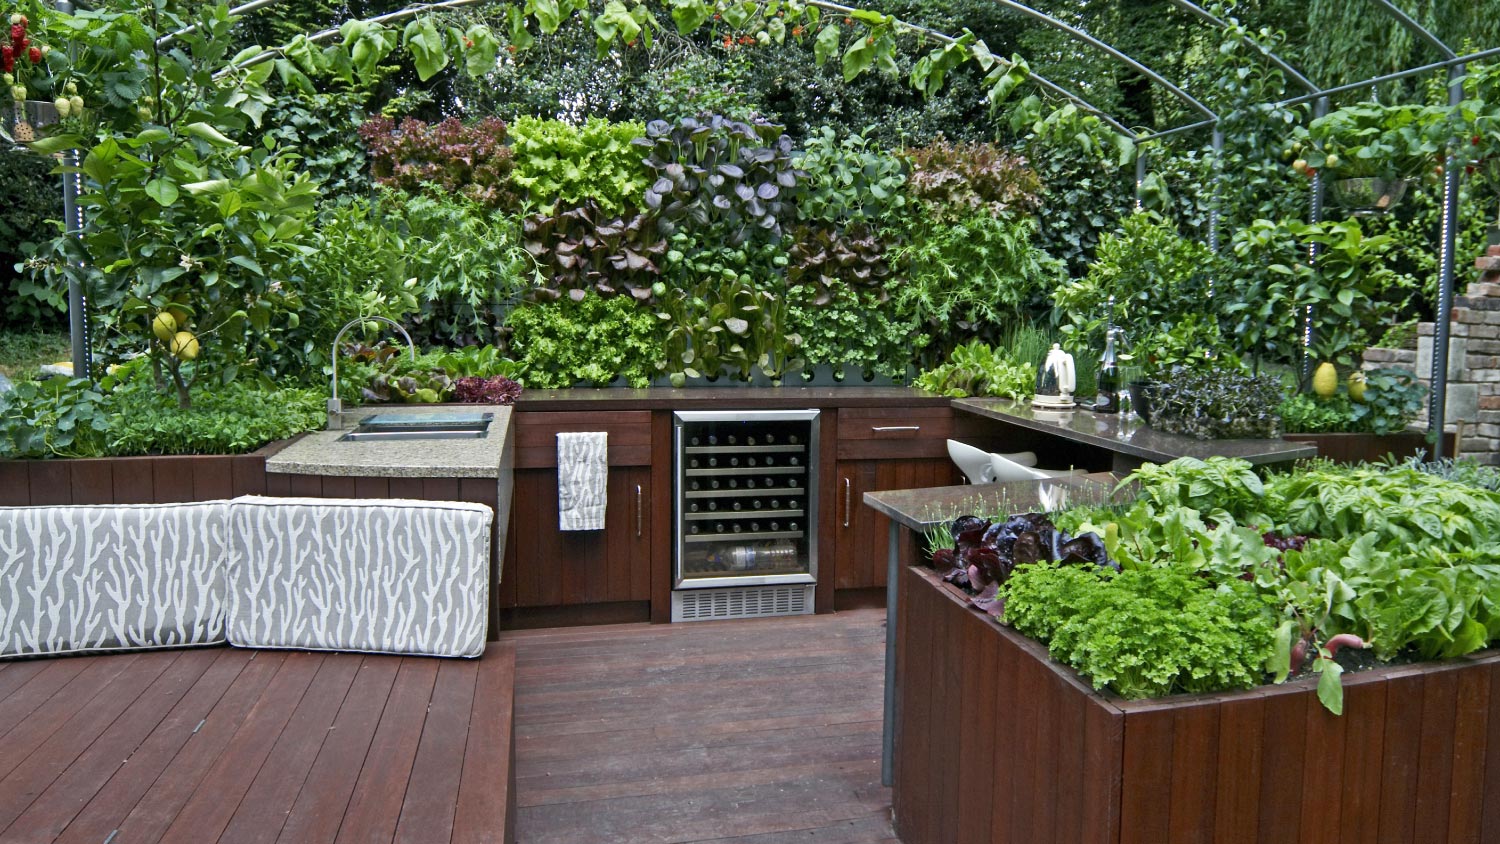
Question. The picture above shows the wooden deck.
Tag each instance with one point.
(762, 731)
(229, 745)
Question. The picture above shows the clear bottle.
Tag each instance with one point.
(713, 506)
(1108, 398)
(735, 506)
(713, 461)
(731, 439)
(718, 527)
(692, 485)
(693, 464)
(791, 482)
(770, 461)
(713, 483)
(795, 461)
(693, 507)
(734, 484)
(770, 439)
(749, 440)
(750, 462)
(734, 461)
(749, 483)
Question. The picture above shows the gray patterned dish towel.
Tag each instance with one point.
(582, 475)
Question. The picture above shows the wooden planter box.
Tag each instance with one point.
(997, 743)
(169, 479)
(1368, 448)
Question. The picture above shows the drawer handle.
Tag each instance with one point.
(897, 428)
(847, 487)
(637, 511)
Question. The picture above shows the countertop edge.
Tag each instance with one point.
(1273, 451)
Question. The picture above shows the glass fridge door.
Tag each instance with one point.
(746, 487)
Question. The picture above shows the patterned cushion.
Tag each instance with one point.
(115, 577)
(384, 576)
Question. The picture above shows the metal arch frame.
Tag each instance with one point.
(1283, 65)
(1086, 38)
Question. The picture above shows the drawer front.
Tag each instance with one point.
(629, 436)
(894, 432)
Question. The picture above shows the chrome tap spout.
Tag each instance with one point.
(335, 406)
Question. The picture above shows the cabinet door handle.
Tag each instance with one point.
(847, 488)
(885, 428)
(637, 511)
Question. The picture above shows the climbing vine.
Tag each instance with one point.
(860, 39)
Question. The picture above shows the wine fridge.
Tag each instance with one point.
(746, 492)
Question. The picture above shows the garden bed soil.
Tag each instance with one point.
(995, 742)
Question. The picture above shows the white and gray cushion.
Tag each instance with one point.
(383, 576)
(117, 577)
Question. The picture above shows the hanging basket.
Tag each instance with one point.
(1368, 197)
(23, 119)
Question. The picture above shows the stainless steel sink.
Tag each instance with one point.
(396, 426)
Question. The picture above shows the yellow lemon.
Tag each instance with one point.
(1325, 380)
(180, 314)
(1357, 386)
(184, 345)
(164, 326)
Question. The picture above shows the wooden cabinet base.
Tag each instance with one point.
(997, 743)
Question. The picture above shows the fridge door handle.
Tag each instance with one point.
(848, 486)
(638, 511)
(884, 428)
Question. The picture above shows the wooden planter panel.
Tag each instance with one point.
(996, 743)
(1369, 448)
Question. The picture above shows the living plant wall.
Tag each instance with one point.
(242, 203)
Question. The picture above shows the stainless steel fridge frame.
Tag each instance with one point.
(679, 475)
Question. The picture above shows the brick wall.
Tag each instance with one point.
(1473, 362)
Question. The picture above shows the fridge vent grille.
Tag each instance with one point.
(742, 602)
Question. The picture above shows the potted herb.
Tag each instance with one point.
(1212, 403)
(1370, 151)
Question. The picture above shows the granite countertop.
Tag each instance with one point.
(1109, 430)
(321, 453)
(920, 508)
(710, 398)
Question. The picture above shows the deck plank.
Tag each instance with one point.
(752, 732)
(375, 805)
(33, 773)
(54, 694)
(229, 674)
(218, 795)
(431, 796)
(268, 801)
(491, 727)
(317, 814)
(82, 778)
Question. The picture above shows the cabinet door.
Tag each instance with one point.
(556, 568)
(861, 533)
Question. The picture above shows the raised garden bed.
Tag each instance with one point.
(134, 480)
(1368, 448)
(995, 742)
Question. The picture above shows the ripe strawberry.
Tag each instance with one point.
(35, 54)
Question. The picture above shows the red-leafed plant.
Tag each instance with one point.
(448, 157)
(497, 389)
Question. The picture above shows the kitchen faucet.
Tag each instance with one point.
(335, 406)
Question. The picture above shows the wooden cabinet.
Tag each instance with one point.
(550, 567)
(878, 449)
